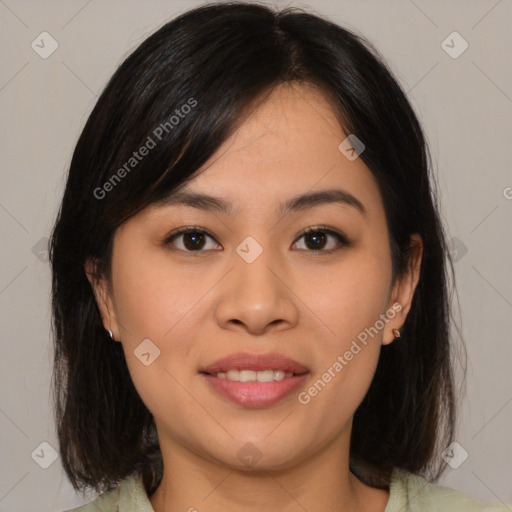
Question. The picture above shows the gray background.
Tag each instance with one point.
(465, 105)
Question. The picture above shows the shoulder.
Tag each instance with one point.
(128, 496)
(413, 493)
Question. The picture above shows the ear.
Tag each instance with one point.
(103, 298)
(403, 290)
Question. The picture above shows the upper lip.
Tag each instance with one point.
(254, 362)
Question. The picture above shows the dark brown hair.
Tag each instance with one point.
(227, 58)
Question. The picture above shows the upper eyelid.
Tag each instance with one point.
(305, 231)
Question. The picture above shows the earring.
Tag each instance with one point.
(396, 332)
(110, 334)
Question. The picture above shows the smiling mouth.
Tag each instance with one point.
(254, 380)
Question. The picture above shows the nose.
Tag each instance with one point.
(257, 297)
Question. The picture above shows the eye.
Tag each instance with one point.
(316, 238)
(193, 239)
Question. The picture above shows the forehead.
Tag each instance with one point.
(285, 147)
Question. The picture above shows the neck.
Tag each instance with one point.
(323, 482)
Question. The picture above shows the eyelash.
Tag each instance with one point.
(342, 239)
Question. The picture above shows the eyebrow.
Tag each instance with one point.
(301, 202)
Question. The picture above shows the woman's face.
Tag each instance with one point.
(247, 282)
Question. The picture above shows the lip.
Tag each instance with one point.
(255, 362)
(255, 394)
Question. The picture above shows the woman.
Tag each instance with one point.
(250, 294)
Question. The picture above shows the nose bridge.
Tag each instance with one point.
(252, 268)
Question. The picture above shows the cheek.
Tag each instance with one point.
(151, 298)
(347, 301)
(153, 303)
(347, 298)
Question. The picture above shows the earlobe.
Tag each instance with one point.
(392, 330)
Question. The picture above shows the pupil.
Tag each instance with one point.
(318, 237)
(194, 235)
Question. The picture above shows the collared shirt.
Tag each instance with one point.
(407, 493)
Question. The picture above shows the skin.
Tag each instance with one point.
(304, 303)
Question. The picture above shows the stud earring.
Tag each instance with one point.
(110, 334)
(396, 332)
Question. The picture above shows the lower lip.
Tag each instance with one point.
(256, 394)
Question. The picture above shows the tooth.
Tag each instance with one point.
(254, 376)
(265, 376)
(233, 374)
(247, 376)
